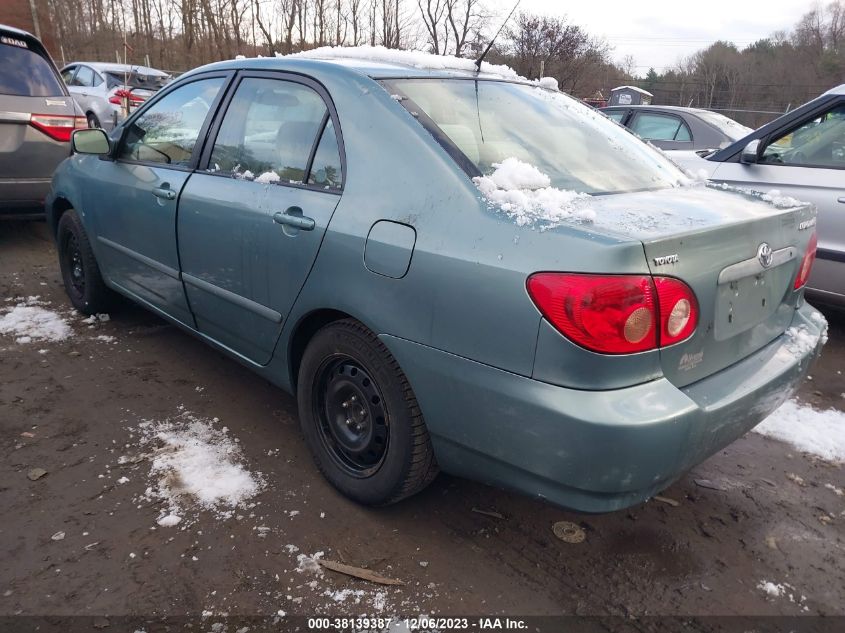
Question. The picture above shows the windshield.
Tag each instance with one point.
(578, 148)
(136, 80)
(727, 126)
(25, 73)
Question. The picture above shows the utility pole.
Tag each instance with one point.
(35, 26)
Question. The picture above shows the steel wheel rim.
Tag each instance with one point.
(351, 417)
(74, 264)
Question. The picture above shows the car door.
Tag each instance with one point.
(81, 87)
(666, 131)
(251, 222)
(807, 161)
(136, 194)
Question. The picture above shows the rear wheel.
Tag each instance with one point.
(81, 274)
(360, 417)
(93, 121)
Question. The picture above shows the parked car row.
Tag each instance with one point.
(40, 108)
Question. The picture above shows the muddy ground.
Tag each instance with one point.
(81, 399)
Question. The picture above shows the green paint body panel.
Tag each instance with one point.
(414, 252)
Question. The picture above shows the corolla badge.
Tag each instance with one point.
(764, 255)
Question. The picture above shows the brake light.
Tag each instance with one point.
(119, 95)
(678, 310)
(616, 314)
(57, 126)
(807, 263)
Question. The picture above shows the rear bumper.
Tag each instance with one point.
(23, 196)
(593, 451)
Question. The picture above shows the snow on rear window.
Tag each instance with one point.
(525, 194)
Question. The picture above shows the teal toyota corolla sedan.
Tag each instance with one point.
(452, 270)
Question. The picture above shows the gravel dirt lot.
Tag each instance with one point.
(78, 405)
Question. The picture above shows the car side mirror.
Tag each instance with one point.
(750, 153)
(90, 141)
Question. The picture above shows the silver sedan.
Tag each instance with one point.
(108, 92)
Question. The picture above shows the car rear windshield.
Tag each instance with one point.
(730, 128)
(578, 148)
(135, 80)
(24, 72)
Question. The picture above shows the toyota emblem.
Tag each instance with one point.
(764, 255)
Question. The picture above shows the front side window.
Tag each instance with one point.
(660, 127)
(25, 73)
(817, 143)
(67, 74)
(577, 147)
(269, 131)
(167, 132)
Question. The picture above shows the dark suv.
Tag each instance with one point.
(37, 117)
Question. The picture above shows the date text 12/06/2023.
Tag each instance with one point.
(422, 623)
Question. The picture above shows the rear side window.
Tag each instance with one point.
(615, 115)
(84, 77)
(326, 169)
(24, 72)
(660, 127)
(269, 131)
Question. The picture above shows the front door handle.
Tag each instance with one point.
(165, 193)
(842, 200)
(292, 216)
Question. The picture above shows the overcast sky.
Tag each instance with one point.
(659, 32)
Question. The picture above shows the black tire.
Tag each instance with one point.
(378, 457)
(93, 121)
(81, 274)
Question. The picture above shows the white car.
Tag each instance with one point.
(801, 155)
(108, 92)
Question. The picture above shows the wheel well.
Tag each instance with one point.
(305, 330)
(60, 205)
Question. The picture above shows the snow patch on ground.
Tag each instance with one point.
(821, 433)
(416, 59)
(309, 564)
(196, 465)
(29, 321)
(525, 194)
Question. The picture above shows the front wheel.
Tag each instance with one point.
(81, 274)
(360, 417)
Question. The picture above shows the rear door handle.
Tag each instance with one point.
(292, 216)
(842, 200)
(164, 193)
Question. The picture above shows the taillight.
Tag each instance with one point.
(807, 263)
(616, 314)
(119, 95)
(57, 126)
(678, 310)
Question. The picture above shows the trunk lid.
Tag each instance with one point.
(712, 240)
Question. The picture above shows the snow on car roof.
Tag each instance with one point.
(124, 68)
(378, 60)
(838, 90)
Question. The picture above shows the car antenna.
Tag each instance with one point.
(490, 45)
